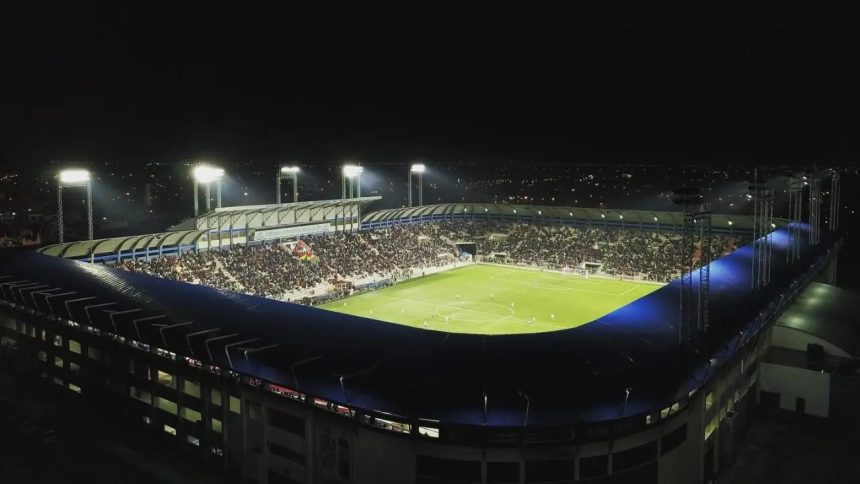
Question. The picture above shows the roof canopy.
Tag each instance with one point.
(553, 214)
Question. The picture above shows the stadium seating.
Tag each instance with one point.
(341, 260)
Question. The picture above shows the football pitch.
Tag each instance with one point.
(489, 299)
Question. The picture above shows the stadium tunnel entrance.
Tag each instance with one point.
(467, 248)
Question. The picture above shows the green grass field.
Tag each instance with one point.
(487, 299)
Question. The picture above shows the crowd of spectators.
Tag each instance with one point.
(276, 271)
(340, 260)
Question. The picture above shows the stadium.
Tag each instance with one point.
(321, 341)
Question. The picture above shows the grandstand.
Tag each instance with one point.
(560, 359)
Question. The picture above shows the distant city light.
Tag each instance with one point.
(731, 223)
(418, 168)
(74, 176)
(207, 174)
(655, 219)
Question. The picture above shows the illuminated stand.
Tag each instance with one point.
(350, 185)
(288, 173)
(761, 194)
(694, 297)
(206, 175)
(416, 170)
(74, 178)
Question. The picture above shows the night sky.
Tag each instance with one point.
(136, 86)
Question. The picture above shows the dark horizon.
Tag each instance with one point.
(136, 88)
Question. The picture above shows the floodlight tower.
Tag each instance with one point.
(289, 173)
(833, 220)
(75, 178)
(351, 178)
(814, 206)
(795, 213)
(694, 295)
(206, 175)
(761, 194)
(417, 169)
(350, 184)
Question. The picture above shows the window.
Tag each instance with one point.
(166, 379)
(190, 387)
(709, 429)
(94, 353)
(594, 466)
(673, 439)
(503, 472)
(192, 440)
(74, 388)
(59, 381)
(549, 471)
(215, 397)
(74, 346)
(286, 422)
(147, 420)
(140, 370)
(216, 425)
(627, 459)
(170, 430)
(190, 414)
(74, 368)
(58, 362)
(288, 454)
(431, 432)
(709, 401)
(58, 340)
(254, 411)
(166, 405)
(43, 356)
(235, 404)
(141, 395)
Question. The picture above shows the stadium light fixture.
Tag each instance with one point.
(515, 210)
(352, 171)
(351, 175)
(417, 169)
(206, 175)
(602, 215)
(540, 213)
(292, 173)
(772, 225)
(620, 217)
(74, 178)
(731, 223)
(655, 219)
(485, 209)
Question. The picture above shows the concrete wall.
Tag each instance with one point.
(792, 383)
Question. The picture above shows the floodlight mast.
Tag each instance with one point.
(351, 176)
(416, 169)
(291, 173)
(74, 178)
(206, 175)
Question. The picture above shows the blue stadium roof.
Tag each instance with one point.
(569, 376)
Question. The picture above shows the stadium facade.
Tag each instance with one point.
(276, 392)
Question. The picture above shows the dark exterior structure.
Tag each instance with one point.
(277, 392)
